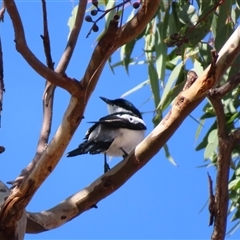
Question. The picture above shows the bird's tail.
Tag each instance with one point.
(78, 151)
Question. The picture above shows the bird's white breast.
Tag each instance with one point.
(127, 140)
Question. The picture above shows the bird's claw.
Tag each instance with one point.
(106, 168)
(125, 154)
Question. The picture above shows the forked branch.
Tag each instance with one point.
(186, 101)
(57, 79)
(22, 194)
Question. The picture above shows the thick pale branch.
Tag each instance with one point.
(118, 36)
(13, 232)
(22, 194)
(70, 85)
(117, 176)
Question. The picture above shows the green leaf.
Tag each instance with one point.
(235, 227)
(212, 144)
(171, 96)
(188, 14)
(234, 185)
(203, 27)
(153, 77)
(168, 155)
(71, 20)
(199, 129)
(223, 35)
(126, 50)
(136, 88)
(204, 142)
(166, 92)
(205, 54)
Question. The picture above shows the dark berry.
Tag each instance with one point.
(95, 27)
(94, 12)
(136, 5)
(116, 17)
(95, 3)
(88, 18)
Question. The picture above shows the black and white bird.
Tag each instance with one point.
(116, 134)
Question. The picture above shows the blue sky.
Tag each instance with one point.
(160, 201)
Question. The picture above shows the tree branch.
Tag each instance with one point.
(235, 137)
(12, 232)
(185, 102)
(22, 194)
(67, 54)
(223, 163)
(2, 88)
(227, 87)
(48, 95)
(71, 85)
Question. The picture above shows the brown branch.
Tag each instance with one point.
(211, 205)
(227, 87)
(108, 183)
(47, 107)
(74, 112)
(71, 85)
(2, 12)
(225, 147)
(2, 88)
(11, 232)
(45, 37)
(71, 43)
(191, 78)
(49, 88)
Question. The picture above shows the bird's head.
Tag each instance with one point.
(121, 105)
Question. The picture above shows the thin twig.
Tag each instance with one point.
(220, 92)
(71, 85)
(105, 12)
(45, 37)
(211, 205)
(2, 89)
(2, 12)
(71, 43)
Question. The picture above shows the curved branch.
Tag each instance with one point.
(70, 85)
(22, 194)
(185, 102)
(73, 37)
(220, 92)
(49, 88)
(13, 232)
(223, 163)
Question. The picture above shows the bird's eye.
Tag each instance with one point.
(130, 119)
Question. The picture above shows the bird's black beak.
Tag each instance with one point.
(106, 100)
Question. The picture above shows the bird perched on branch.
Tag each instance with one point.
(116, 134)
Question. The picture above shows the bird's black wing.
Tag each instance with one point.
(91, 147)
(121, 120)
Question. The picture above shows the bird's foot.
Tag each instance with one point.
(106, 167)
(125, 154)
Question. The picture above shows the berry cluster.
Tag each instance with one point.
(94, 12)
